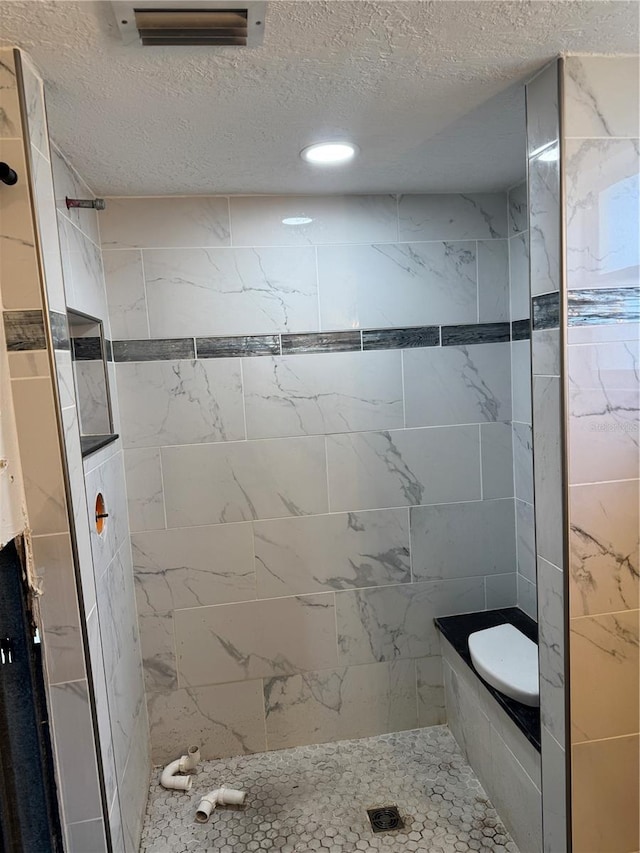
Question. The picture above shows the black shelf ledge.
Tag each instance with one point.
(456, 629)
(90, 443)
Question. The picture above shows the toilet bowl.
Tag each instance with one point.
(508, 661)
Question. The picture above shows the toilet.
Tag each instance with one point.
(508, 661)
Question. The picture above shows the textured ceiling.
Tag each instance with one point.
(430, 91)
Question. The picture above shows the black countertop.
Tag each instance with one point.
(456, 629)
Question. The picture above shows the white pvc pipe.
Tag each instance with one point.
(170, 778)
(221, 796)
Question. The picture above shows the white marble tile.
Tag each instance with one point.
(397, 284)
(10, 108)
(527, 597)
(84, 267)
(521, 381)
(542, 108)
(338, 551)
(545, 352)
(454, 216)
(126, 697)
(523, 462)
(337, 704)
(126, 297)
(544, 221)
(134, 788)
(75, 751)
(145, 495)
(117, 610)
(34, 104)
(604, 547)
(457, 385)
(518, 209)
(255, 639)
(463, 540)
(241, 481)
(27, 364)
(258, 220)
(45, 209)
(87, 837)
(62, 637)
(430, 686)
(601, 96)
(102, 704)
(501, 591)
(519, 276)
(18, 264)
(548, 469)
(317, 394)
(64, 374)
(68, 183)
(92, 397)
(225, 719)
(230, 291)
(493, 281)
(525, 541)
(165, 221)
(551, 622)
(554, 794)
(180, 402)
(157, 645)
(193, 567)
(497, 460)
(109, 481)
(403, 468)
(602, 203)
(115, 824)
(386, 623)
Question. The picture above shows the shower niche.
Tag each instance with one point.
(89, 354)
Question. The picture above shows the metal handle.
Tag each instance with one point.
(102, 515)
(7, 175)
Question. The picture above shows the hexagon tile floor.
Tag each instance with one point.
(316, 798)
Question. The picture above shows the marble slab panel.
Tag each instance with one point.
(117, 610)
(145, 496)
(548, 469)
(143, 223)
(135, 785)
(241, 481)
(604, 652)
(545, 352)
(193, 567)
(225, 719)
(452, 216)
(463, 540)
(319, 394)
(457, 385)
(84, 275)
(403, 467)
(92, 397)
(337, 551)
(258, 220)
(493, 281)
(397, 284)
(255, 639)
(518, 209)
(157, 646)
(601, 96)
(496, 450)
(126, 297)
(102, 704)
(543, 115)
(230, 291)
(551, 648)
(337, 704)
(34, 105)
(45, 211)
(108, 479)
(521, 381)
(127, 706)
(386, 623)
(519, 276)
(604, 547)
(180, 402)
(10, 113)
(544, 221)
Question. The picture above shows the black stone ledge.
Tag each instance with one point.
(546, 311)
(153, 350)
(603, 306)
(475, 333)
(456, 629)
(237, 345)
(314, 342)
(521, 330)
(413, 336)
(24, 330)
(90, 443)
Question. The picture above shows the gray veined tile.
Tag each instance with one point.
(545, 311)
(463, 540)
(255, 639)
(518, 209)
(336, 704)
(601, 96)
(154, 350)
(543, 116)
(386, 623)
(24, 330)
(475, 333)
(403, 467)
(523, 462)
(117, 611)
(252, 479)
(412, 336)
(501, 590)
(193, 567)
(135, 783)
(551, 616)
(230, 291)
(457, 385)
(319, 394)
(525, 541)
(238, 345)
(10, 126)
(453, 216)
(493, 281)
(521, 330)
(316, 342)
(527, 597)
(337, 551)
(158, 651)
(521, 380)
(126, 297)
(554, 794)
(34, 104)
(545, 351)
(145, 496)
(602, 306)
(84, 267)
(180, 402)
(548, 469)
(544, 223)
(497, 460)
(430, 687)
(67, 182)
(519, 276)
(397, 284)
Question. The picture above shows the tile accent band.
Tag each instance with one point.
(546, 311)
(521, 330)
(24, 330)
(86, 349)
(603, 306)
(310, 342)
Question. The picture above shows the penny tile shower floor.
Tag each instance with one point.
(316, 798)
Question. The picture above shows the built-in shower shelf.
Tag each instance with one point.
(91, 443)
(457, 629)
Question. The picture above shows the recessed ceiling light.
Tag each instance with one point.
(297, 220)
(328, 153)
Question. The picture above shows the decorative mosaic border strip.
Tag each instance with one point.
(603, 306)
(86, 349)
(521, 330)
(546, 311)
(24, 330)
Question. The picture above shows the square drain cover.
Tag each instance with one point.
(385, 819)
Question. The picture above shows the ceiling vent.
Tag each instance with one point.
(160, 24)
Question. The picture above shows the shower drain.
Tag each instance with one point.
(385, 818)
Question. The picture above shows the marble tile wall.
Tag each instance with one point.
(299, 475)
(602, 166)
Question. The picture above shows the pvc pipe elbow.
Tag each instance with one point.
(169, 778)
(221, 796)
(191, 760)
